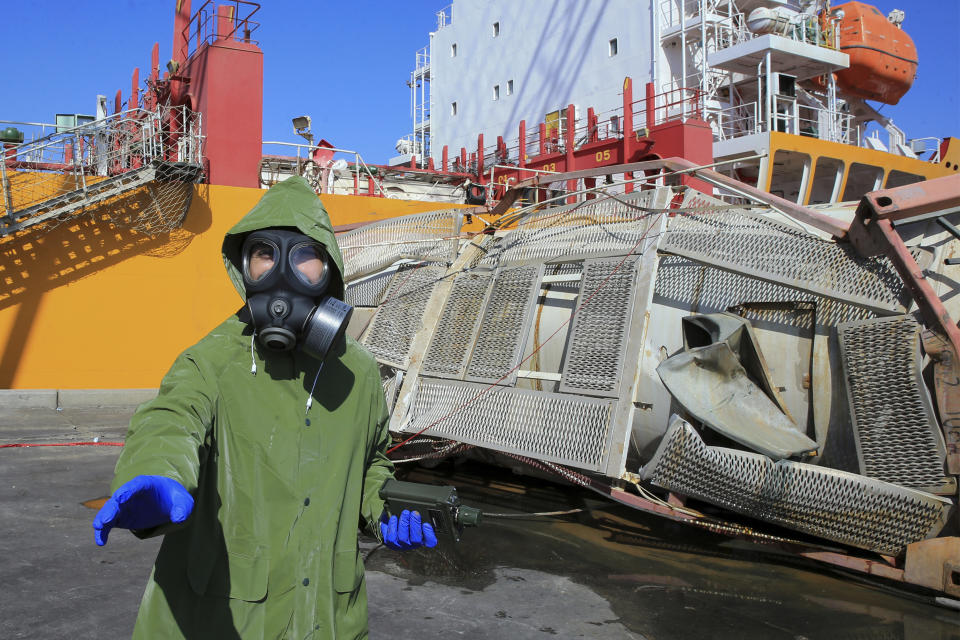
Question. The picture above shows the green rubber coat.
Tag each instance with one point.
(270, 550)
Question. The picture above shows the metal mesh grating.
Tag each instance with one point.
(124, 169)
(457, 329)
(600, 328)
(839, 506)
(547, 426)
(758, 246)
(898, 438)
(431, 237)
(506, 321)
(591, 228)
(706, 289)
(369, 291)
(397, 320)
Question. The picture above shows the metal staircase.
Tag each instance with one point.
(79, 169)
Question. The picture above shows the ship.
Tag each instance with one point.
(711, 295)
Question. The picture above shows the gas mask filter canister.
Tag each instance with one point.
(286, 275)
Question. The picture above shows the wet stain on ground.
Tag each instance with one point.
(660, 579)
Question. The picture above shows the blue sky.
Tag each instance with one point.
(344, 63)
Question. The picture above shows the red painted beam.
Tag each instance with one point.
(569, 143)
(651, 106)
(181, 23)
(627, 128)
(522, 153)
(134, 100)
(916, 199)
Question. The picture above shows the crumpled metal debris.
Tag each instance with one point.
(723, 381)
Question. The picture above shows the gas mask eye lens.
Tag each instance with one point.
(309, 262)
(260, 259)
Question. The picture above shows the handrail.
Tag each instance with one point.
(96, 152)
(204, 25)
(358, 161)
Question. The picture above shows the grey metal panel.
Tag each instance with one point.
(592, 228)
(547, 426)
(398, 319)
(755, 245)
(712, 384)
(705, 289)
(456, 332)
(897, 435)
(684, 286)
(506, 323)
(839, 506)
(601, 324)
(430, 237)
(369, 291)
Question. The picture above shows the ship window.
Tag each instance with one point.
(612, 47)
(496, 92)
(453, 108)
(495, 29)
(788, 178)
(901, 178)
(509, 87)
(827, 176)
(862, 179)
(453, 50)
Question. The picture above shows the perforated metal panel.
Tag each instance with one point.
(839, 506)
(898, 438)
(430, 237)
(593, 228)
(597, 343)
(506, 323)
(457, 330)
(399, 317)
(548, 426)
(707, 289)
(369, 291)
(755, 245)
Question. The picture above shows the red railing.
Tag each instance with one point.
(212, 22)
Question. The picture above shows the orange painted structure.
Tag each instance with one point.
(883, 58)
(90, 305)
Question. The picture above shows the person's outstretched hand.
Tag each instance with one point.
(144, 502)
(407, 532)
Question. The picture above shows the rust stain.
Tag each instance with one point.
(95, 503)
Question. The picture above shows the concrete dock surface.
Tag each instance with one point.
(605, 572)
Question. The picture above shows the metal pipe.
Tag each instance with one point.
(768, 94)
(8, 200)
(683, 55)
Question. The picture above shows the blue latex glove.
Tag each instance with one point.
(407, 532)
(142, 503)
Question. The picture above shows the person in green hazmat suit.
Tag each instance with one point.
(263, 450)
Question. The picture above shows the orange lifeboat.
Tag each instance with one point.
(883, 58)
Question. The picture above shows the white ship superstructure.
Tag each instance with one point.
(761, 73)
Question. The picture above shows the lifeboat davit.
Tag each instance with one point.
(883, 58)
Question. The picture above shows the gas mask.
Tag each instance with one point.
(286, 275)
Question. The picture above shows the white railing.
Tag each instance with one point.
(735, 122)
(825, 124)
(71, 159)
(328, 176)
(789, 117)
(445, 17)
(673, 12)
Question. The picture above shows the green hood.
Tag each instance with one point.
(289, 204)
